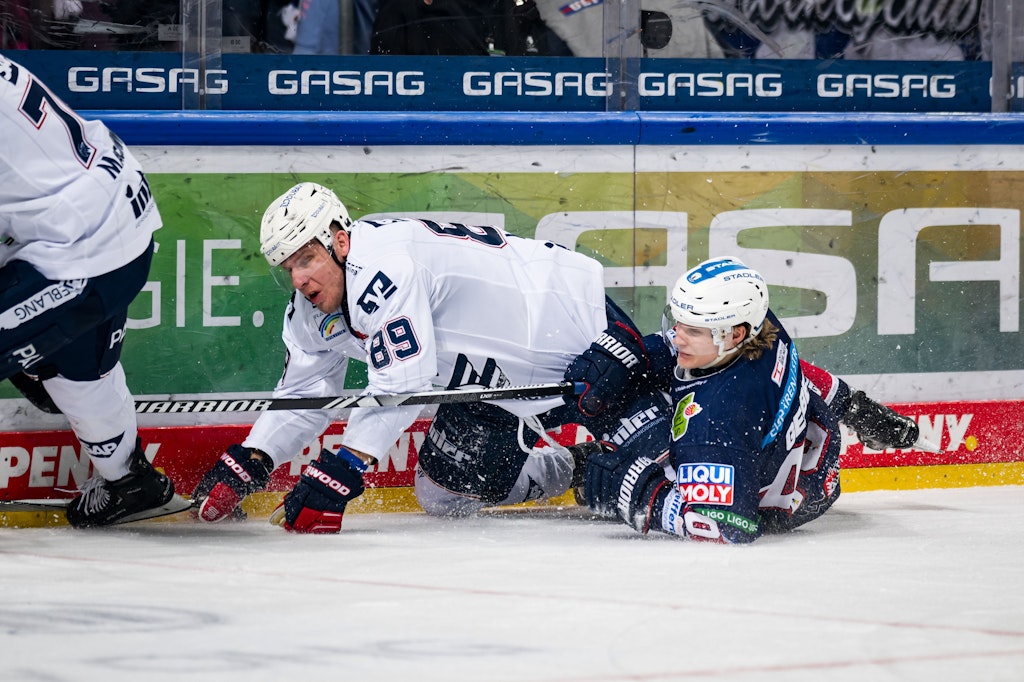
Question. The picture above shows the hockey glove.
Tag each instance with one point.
(630, 488)
(317, 502)
(615, 360)
(235, 476)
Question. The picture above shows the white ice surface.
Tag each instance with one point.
(922, 585)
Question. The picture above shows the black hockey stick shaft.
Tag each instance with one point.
(172, 406)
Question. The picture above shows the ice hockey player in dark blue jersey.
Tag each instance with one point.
(754, 448)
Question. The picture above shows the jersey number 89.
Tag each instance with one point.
(396, 340)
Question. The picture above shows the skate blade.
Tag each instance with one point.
(175, 505)
(923, 443)
(32, 505)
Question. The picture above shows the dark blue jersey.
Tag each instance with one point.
(754, 448)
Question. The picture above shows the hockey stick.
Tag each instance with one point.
(171, 406)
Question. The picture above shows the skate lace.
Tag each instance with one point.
(95, 495)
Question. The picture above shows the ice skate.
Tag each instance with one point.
(142, 493)
(880, 427)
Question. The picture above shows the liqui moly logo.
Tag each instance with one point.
(706, 483)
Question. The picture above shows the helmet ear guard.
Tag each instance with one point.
(303, 213)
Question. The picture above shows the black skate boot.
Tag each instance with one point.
(879, 427)
(102, 502)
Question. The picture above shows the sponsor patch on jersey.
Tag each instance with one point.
(40, 302)
(780, 364)
(331, 326)
(746, 525)
(706, 483)
(686, 408)
(672, 514)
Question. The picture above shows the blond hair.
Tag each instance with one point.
(755, 346)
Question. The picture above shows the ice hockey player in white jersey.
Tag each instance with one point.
(76, 238)
(432, 304)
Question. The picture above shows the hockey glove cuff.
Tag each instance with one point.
(630, 488)
(614, 361)
(235, 476)
(317, 502)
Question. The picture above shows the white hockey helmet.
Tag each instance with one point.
(719, 294)
(297, 217)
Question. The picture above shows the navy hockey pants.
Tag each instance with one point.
(74, 328)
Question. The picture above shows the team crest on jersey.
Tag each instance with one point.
(706, 482)
(379, 290)
(332, 326)
(686, 408)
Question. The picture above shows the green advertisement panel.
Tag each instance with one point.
(878, 271)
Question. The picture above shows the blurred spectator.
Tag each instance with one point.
(833, 29)
(262, 20)
(242, 19)
(669, 28)
(463, 27)
(17, 26)
(364, 13)
(317, 31)
(136, 25)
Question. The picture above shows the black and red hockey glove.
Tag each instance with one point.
(236, 475)
(317, 502)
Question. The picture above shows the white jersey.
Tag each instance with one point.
(434, 304)
(318, 346)
(453, 305)
(73, 200)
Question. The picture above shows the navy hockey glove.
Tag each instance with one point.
(317, 502)
(235, 476)
(630, 488)
(614, 361)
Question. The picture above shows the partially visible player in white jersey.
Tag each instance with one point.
(76, 239)
(429, 304)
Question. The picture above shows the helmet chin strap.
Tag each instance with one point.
(334, 257)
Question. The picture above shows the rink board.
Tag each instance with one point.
(647, 194)
(982, 443)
